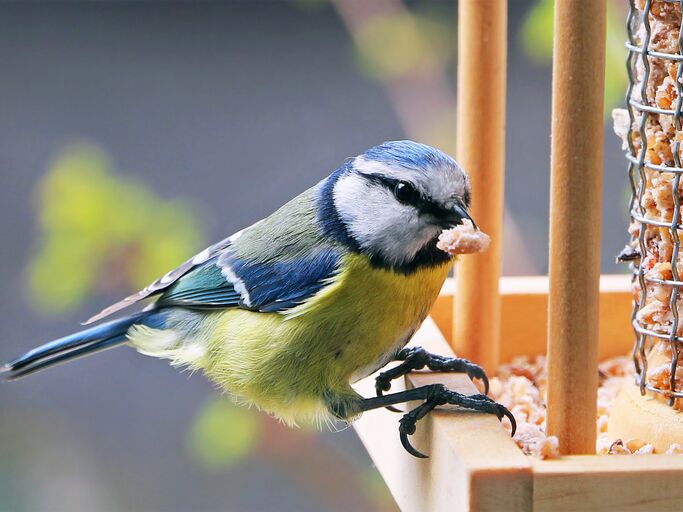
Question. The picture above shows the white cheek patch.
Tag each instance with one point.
(354, 197)
(378, 222)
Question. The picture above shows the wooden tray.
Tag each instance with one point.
(475, 466)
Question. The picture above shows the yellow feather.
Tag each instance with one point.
(286, 364)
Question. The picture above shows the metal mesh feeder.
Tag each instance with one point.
(653, 140)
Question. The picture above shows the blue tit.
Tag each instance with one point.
(289, 312)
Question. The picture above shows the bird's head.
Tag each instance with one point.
(393, 201)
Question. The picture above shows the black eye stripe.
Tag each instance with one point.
(391, 184)
(380, 180)
(423, 204)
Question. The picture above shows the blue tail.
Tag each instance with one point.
(88, 341)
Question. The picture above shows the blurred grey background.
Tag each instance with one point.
(227, 110)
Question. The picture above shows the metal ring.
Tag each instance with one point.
(654, 334)
(652, 110)
(666, 282)
(664, 392)
(654, 222)
(654, 167)
(650, 53)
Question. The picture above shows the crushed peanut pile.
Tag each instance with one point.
(521, 386)
(661, 195)
(463, 239)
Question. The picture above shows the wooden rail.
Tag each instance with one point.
(476, 467)
(473, 464)
(480, 150)
(524, 324)
(575, 199)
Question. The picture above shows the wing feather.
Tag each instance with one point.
(216, 278)
(228, 281)
(273, 267)
(167, 279)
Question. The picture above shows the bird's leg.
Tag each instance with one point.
(416, 358)
(432, 395)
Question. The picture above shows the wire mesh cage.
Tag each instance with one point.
(653, 134)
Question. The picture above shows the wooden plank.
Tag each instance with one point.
(607, 483)
(524, 306)
(482, 49)
(575, 199)
(473, 464)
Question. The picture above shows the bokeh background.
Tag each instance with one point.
(134, 134)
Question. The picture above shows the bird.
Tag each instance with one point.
(288, 313)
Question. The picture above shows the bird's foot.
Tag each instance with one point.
(416, 358)
(438, 394)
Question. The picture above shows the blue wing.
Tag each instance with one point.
(272, 265)
(166, 280)
(204, 287)
(270, 286)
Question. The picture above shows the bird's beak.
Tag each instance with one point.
(460, 213)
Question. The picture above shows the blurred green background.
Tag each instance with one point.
(134, 134)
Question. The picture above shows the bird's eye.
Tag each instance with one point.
(405, 192)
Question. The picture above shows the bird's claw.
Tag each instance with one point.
(505, 412)
(407, 427)
(382, 384)
(416, 358)
(500, 411)
(456, 364)
(440, 396)
(474, 371)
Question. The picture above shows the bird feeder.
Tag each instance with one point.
(574, 315)
(653, 138)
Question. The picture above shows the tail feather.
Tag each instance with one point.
(79, 344)
(63, 357)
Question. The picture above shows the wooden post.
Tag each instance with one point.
(482, 47)
(575, 193)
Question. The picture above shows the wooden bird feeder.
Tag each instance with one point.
(574, 315)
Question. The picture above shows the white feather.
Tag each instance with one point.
(167, 278)
(190, 354)
(153, 342)
(201, 257)
(237, 284)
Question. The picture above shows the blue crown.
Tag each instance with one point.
(406, 153)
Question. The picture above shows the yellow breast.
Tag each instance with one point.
(369, 313)
(349, 329)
